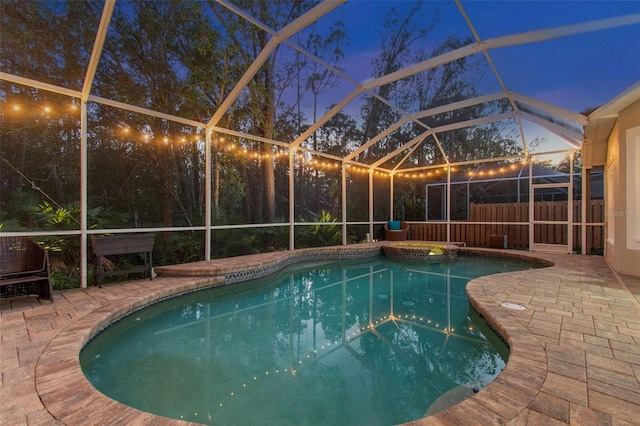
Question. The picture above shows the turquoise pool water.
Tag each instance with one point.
(373, 342)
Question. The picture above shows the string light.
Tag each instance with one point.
(229, 146)
(46, 109)
(313, 354)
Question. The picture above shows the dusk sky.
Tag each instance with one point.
(574, 72)
(578, 72)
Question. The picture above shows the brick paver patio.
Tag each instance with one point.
(575, 349)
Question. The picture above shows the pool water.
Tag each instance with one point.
(375, 342)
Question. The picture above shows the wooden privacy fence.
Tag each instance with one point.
(479, 235)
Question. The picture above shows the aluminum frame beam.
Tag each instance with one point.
(286, 32)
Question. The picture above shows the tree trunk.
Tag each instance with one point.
(167, 210)
(269, 188)
(268, 126)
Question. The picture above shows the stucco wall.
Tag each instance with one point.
(618, 214)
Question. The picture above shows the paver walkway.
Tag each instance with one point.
(575, 349)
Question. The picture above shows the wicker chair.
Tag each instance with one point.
(396, 235)
(24, 268)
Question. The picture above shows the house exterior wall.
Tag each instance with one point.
(622, 199)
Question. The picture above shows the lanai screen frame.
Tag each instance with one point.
(572, 137)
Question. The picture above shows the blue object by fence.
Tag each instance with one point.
(394, 225)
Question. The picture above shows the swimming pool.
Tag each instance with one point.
(372, 342)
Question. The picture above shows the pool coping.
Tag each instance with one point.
(513, 396)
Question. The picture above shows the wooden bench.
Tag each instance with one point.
(112, 245)
(24, 265)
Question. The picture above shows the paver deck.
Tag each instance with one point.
(575, 349)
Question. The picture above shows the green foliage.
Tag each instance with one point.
(179, 248)
(410, 202)
(325, 233)
(238, 242)
(47, 215)
(565, 164)
(64, 260)
(61, 281)
(64, 252)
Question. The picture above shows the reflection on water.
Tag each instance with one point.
(375, 342)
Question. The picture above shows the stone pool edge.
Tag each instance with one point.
(71, 399)
(518, 384)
